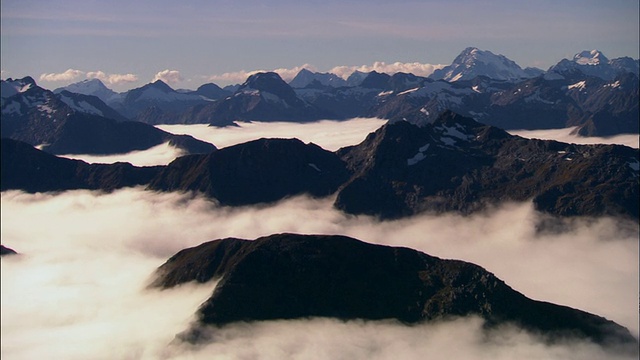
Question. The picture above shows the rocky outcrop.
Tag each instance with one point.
(288, 276)
(6, 251)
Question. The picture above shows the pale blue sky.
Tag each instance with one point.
(202, 40)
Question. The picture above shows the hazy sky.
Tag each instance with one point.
(128, 43)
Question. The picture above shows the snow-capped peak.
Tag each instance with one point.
(93, 87)
(473, 62)
(590, 57)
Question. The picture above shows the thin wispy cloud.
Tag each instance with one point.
(71, 75)
(112, 79)
(168, 76)
(68, 75)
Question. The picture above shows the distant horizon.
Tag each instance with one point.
(72, 76)
(129, 44)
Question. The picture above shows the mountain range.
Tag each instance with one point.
(590, 91)
(454, 164)
(289, 276)
(71, 123)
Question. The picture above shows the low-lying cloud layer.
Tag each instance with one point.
(328, 134)
(77, 290)
(158, 155)
(565, 135)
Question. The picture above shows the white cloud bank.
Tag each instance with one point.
(77, 290)
(71, 75)
(328, 134)
(565, 135)
(158, 155)
(68, 75)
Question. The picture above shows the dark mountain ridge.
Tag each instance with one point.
(452, 165)
(457, 164)
(31, 170)
(288, 276)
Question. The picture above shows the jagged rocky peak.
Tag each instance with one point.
(93, 87)
(11, 86)
(626, 64)
(161, 85)
(356, 78)
(290, 276)
(263, 81)
(306, 77)
(594, 63)
(376, 80)
(87, 87)
(269, 82)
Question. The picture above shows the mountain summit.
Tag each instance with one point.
(594, 63)
(290, 276)
(473, 62)
(93, 87)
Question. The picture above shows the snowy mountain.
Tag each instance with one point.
(89, 104)
(473, 62)
(263, 97)
(402, 164)
(159, 97)
(93, 87)
(306, 77)
(11, 86)
(594, 63)
(69, 123)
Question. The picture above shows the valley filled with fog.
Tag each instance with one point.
(78, 289)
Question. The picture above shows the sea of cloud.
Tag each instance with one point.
(329, 134)
(78, 289)
(566, 135)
